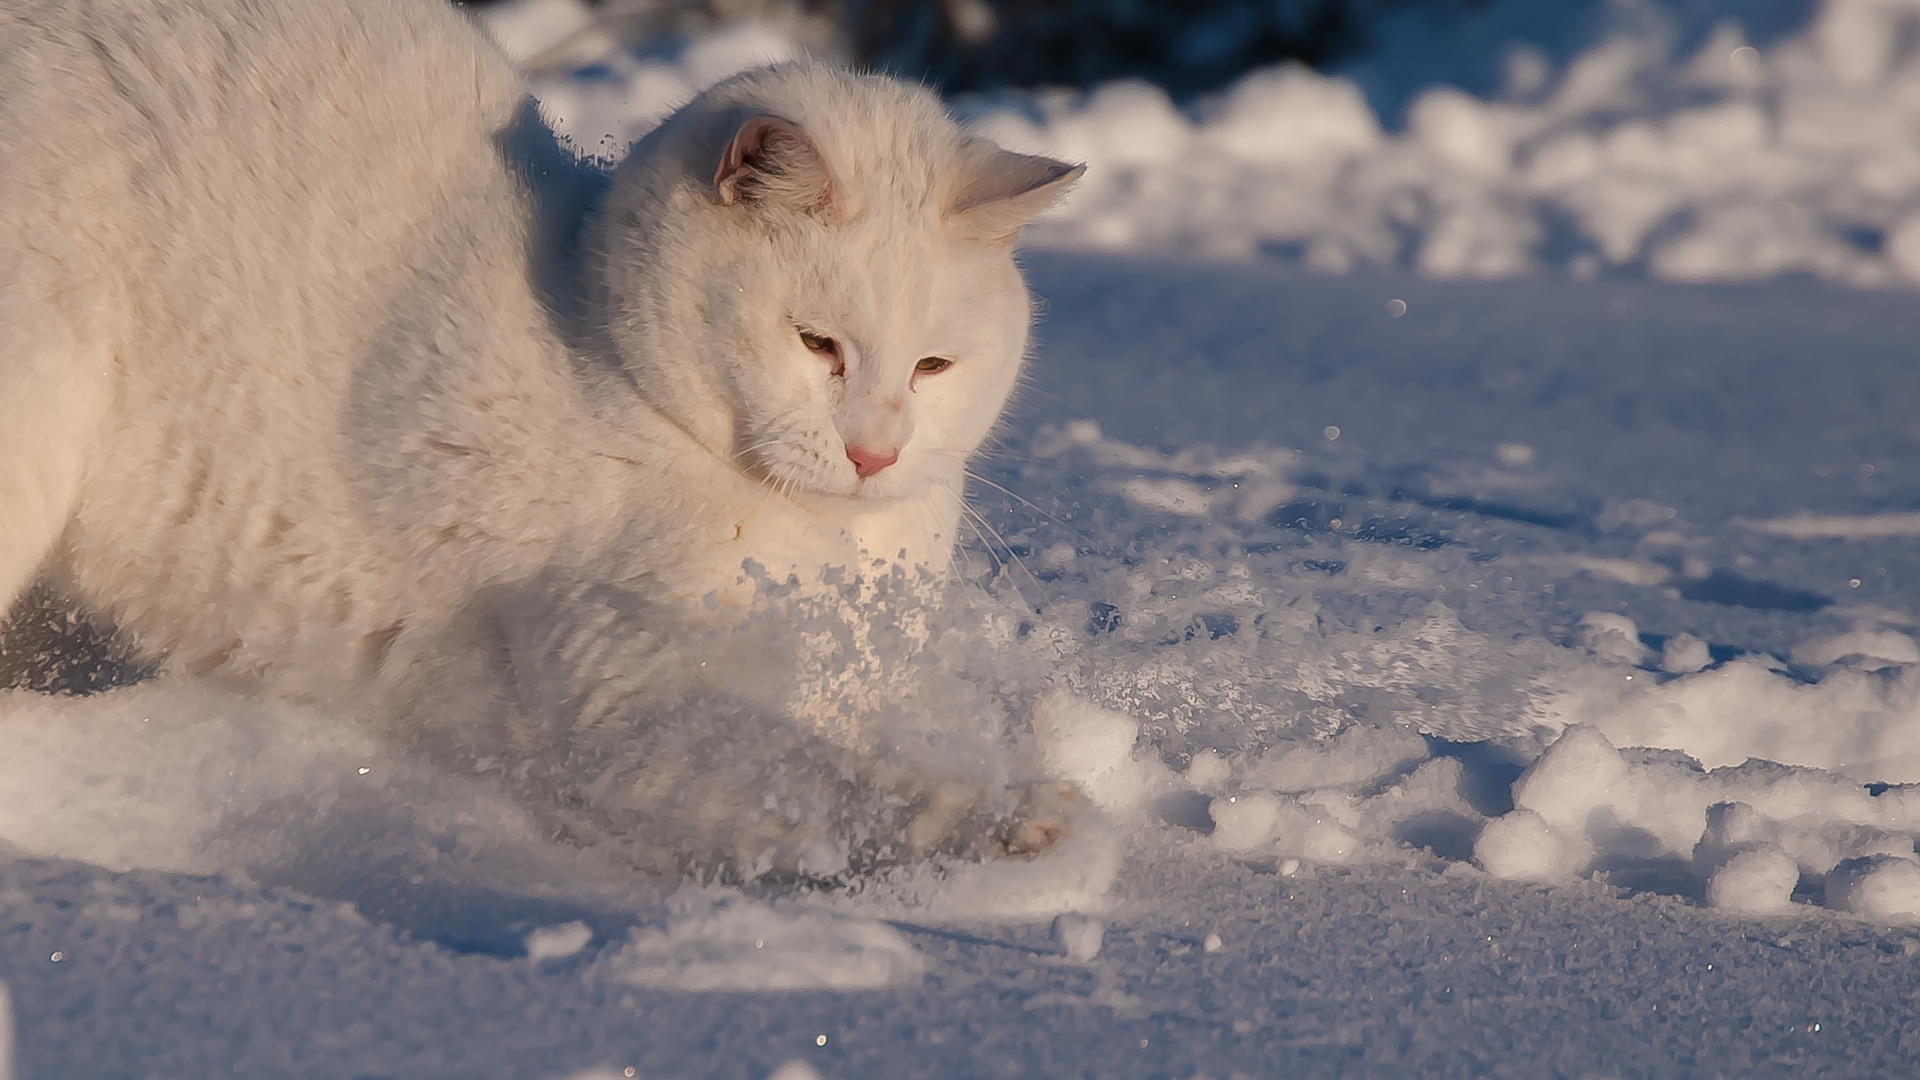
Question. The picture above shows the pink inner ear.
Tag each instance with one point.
(772, 160)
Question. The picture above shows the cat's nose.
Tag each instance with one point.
(866, 462)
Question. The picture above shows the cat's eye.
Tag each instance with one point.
(932, 365)
(825, 347)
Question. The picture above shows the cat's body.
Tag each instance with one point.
(288, 390)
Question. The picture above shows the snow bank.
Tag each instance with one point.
(1730, 163)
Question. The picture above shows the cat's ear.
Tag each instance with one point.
(998, 191)
(773, 161)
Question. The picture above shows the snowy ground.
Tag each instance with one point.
(1476, 677)
(1449, 597)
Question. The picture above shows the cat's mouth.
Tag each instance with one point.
(819, 485)
(811, 475)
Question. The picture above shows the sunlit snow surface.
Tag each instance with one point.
(1413, 639)
(1298, 667)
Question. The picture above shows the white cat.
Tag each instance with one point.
(312, 378)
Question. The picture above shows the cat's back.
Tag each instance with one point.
(211, 117)
(221, 221)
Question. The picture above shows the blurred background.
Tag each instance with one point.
(1188, 47)
(975, 45)
(1684, 140)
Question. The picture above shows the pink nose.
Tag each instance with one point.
(866, 462)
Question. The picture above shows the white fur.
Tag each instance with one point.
(300, 383)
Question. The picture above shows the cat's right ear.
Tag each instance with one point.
(773, 161)
(998, 191)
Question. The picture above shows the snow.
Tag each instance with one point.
(746, 946)
(1079, 936)
(1301, 717)
(1463, 676)
(1723, 162)
(1666, 144)
(558, 942)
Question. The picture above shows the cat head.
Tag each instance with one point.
(811, 272)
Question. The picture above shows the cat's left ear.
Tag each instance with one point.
(773, 161)
(998, 191)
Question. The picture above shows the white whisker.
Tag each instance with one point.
(979, 523)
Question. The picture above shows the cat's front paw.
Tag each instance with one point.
(1045, 818)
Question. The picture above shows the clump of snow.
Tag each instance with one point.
(1079, 936)
(1612, 639)
(1521, 846)
(1870, 650)
(1749, 833)
(1885, 888)
(1684, 654)
(1343, 798)
(1756, 881)
(1094, 748)
(1859, 720)
(558, 942)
